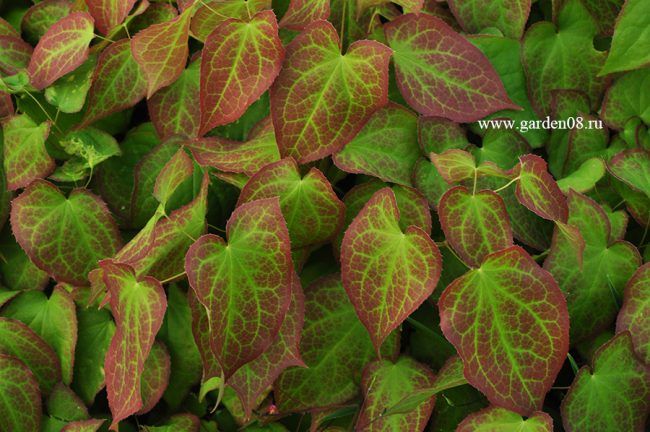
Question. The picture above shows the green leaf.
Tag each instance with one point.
(435, 81)
(155, 377)
(631, 37)
(313, 212)
(454, 165)
(634, 313)
(585, 177)
(500, 419)
(632, 167)
(64, 404)
(20, 406)
(53, 319)
(178, 169)
(384, 383)
(387, 272)
(63, 236)
(509, 16)
(512, 360)
(14, 54)
(18, 272)
(40, 17)
(386, 147)
(336, 93)
(538, 191)
(501, 147)
(436, 135)
(332, 331)
(84, 426)
(25, 155)
(177, 423)
(244, 284)
(591, 405)
(69, 92)
(627, 98)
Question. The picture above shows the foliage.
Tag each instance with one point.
(324, 215)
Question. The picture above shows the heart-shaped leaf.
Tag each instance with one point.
(631, 36)
(20, 406)
(538, 191)
(632, 167)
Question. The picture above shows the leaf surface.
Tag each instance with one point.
(109, 13)
(25, 155)
(632, 167)
(635, 312)
(301, 13)
(20, 406)
(509, 16)
(538, 191)
(631, 37)
(500, 419)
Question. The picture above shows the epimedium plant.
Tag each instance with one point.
(313, 215)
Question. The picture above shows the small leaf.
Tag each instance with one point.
(509, 16)
(632, 167)
(585, 177)
(109, 13)
(481, 314)
(177, 423)
(138, 306)
(386, 272)
(62, 49)
(64, 404)
(68, 93)
(635, 311)
(590, 405)
(436, 81)
(538, 191)
(631, 37)
(322, 98)
(178, 169)
(91, 425)
(625, 99)
(301, 13)
(454, 165)
(20, 406)
(500, 419)
(63, 236)
(475, 225)
(25, 155)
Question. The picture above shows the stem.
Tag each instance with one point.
(574, 365)
(44, 111)
(171, 278)
(506, 185)
(343, 10)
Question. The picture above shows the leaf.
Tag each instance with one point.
(248, 157)
(322, 98)
(332, 331)
(501, 147)
(20, 406)
(109, 13)
(631, 37)
(173, 109)
(475, 225)
(177, 423)
(593, 290)
(244, 284)
(436, 134)
(430, 78)
(632, 167)
(53, 319)
(138, 306)
(385, 383)
(584, 178)
(301, 13)
(240, 62)
(634, 313)
(590, 405)
(64, 404)
(488, 305)
(178, 169)
(454, 165)
(313, 212)
(68, 93)
(62, 49)
(22, 343)
(255, 377)
(91, 425)
(15, 54)
(386, 272)
(627, 98)
(545, 50)
(18, 272)
(386, 147)
(41, 16)
(538, 191)
(63, 236)
(509, 16)
(118, 83)
(155, 377)
(161, 51)
(25, 155)
(211, 14)
(500, 419)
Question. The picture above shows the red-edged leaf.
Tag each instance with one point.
(632, 167)
(19, 341)
(385, 383)
(63, 236)
(138, 306)
(211, 14)
(173, 109)
(454, 165)
(538, 191)
(109, 13)
(178, 169)
(248, 157)
(41, 16)
(244, 284)
(484, 314)
(312, 210)
(91, 425)
(6, 29)
(20, 405)
(201, 332)
(161, 50)
(240, 61)
(6, 105)
(635, 313)
(118, 83)
(474, 225)
(62, 49)
(456, 82)
(155, 377)
(322, 98)
(14, 54)
(509, 16)
(301, 13)
(257, 376)
(25, 155)
(495, 419)
(387, 272)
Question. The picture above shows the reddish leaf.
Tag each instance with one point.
(386, 272)
(538, 191)
(155, 377)
(109, 13)
(14, 54)
(456, 82)
(91, 425)
(301, 13)
(6, 29)
(61, 50)
(635, 313)
(161, 50)
(20, 405)
(178, 169)
(244, 284)
(495, 419)
(201, 332)
(475, 225)
(454, 165)
(509, 16)
(509, 322)
(312, 119)
(6, 105)
(211, 14)
(240, 62)
(138, 306)
(118, 83)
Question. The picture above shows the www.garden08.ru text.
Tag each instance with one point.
(524, 126)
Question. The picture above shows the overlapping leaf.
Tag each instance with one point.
(109, 13)
(211, 14)
(301, 13)
(627, 98)
(155, 377)
(635, 312)
(538, 191)
(500, 419)
(631, 36)
(509, 16)
(633, 168)
(20, 406)
(14, 54)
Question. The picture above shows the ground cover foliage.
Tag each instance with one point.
(224, 215)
